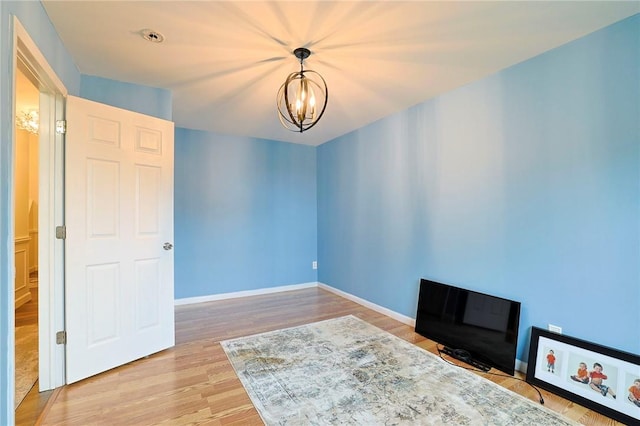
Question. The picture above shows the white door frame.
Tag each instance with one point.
(51, 213)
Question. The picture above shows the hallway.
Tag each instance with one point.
(26, 326)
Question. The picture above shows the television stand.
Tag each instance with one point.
(465, 356)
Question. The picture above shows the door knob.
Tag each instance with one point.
(167, 246)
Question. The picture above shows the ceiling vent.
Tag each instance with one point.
(152, 36)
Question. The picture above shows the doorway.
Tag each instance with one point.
(25, 215)
(38, 93)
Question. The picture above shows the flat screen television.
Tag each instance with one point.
(477, 328)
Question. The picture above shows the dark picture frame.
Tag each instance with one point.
(554, 365)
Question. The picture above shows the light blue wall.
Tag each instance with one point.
(37, 24)
(245, 213)
(525, 185)
(133, 97)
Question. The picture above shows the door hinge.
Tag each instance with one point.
(61, 232)
(61, 338)
(61, 127)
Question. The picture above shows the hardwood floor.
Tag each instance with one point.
(33, 404)
(193, 382)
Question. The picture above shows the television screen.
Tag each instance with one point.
(478, 328)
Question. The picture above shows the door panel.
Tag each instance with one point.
(119, 213)
(148, 207)
(103, 287)
(103, 195)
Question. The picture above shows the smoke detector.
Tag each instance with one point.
(152, 36)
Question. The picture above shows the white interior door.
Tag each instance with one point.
(119, 219)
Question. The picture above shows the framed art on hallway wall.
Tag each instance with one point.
(595, 376)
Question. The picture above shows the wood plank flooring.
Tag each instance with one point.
(193, 383)
(33, 404)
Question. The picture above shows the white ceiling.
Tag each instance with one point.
(224, 61)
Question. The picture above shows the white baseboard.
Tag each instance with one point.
(520, 365)
(388, 312)
(21, 300)
(246, 293)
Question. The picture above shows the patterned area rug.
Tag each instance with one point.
(346, 371)
(26, 360)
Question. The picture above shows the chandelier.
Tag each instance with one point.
(302, 98)
(28, 121)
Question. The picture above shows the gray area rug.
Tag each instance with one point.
(26, 360)
(346, 371)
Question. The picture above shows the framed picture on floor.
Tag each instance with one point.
(600, 378)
